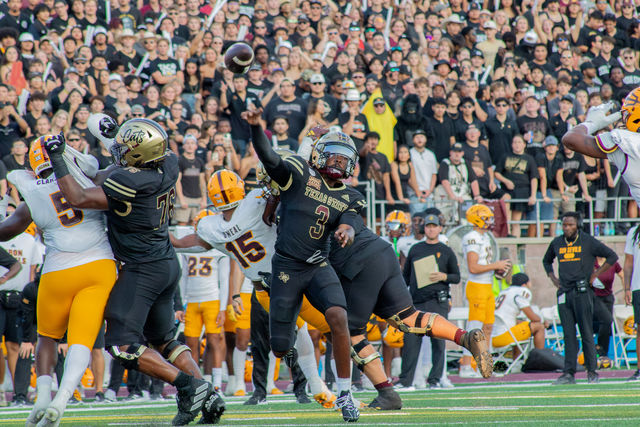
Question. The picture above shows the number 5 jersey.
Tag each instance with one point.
(72, 237)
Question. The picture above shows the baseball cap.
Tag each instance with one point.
(457, 147)
(352, 95)
(474, 6)
(519, 279)
(550, 140)
(70, 70)
(490, 25)
(586, 65)
(255, 67)
(477, 52)
(431, 219)
(442, 62)
(419, 132)
(303, 17)
(26, 37)
(286, 44)
(316, 57)
(189, 136)
(99, 30)
(115, 76)
(391, 66)
(530, 38)
(317, 78)
(378, 101)
(355, 26)
(567, 98)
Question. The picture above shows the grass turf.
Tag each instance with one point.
(607, 403)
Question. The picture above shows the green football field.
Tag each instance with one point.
(610, 403)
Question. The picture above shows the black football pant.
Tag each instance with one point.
(23, 377)
(577, 309)
(603, 316)
(413, 342)
(260, 352)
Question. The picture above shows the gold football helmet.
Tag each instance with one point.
(140, 143)
(629, 326)
(271, 187)
(397, 220)
(38, 157)
(226, 189)
(480, 216)
(631, 110)
(201, 214)
(330, 145)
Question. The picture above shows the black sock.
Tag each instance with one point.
(182, 380)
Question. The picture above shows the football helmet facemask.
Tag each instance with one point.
(226, 189)
(38, 157)
(334, 145)
(140, 143)
(397, 221)
(481, 216)
(271, 187)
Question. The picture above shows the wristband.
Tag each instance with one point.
(235, 296)
(59, 166)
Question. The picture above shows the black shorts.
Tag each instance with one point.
(520, 193)
(9, 329)
(99, 343)
(290, 279)
(635, 302)
(140, 307)
(379, 288)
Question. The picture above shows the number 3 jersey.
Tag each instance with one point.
(72, 237)
(140, 208)
(245, 237)
(479, 243)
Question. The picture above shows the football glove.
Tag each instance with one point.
(55, 148)
(598, 119)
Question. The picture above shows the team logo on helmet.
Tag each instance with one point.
(226, 189)
(481, 216)
(140, 143)
(38, 157)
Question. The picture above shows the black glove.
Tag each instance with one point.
(55, 147)
(108, 127)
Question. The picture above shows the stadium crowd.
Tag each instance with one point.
(457, 101)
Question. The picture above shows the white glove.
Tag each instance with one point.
(598, 119)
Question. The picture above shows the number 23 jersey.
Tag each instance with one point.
(245, 237)
(65, 229)
(140, 208)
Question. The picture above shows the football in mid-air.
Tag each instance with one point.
(239, 57)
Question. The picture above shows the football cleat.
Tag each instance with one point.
(564, 379)
(240, 392)
(256, 399)
(326, 399)
(387, 400)
(212, 409)
(302, 398)
(190, 401)
(477, 344)
(276, 391)
(635, 376)
(350, 412)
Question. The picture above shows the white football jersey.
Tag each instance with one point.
(509, 303)
(25, 249)
(479, 243)
(246, 238)
(623, 149)
(633, 248)
(72, 237)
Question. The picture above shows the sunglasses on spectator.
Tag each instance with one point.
(260, 27)
(317, 83)
(358, 77)
(378, 105)
(562, 39)
(138, 115)
(316, 7)
(74, 139)
(467, 106)
(333, 33)
(502, 104)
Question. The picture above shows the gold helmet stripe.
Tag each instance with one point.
(222, 190)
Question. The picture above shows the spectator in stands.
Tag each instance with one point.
(458, 182)
(191, 184)
(426, 171)
(374, 165)
(441, 133)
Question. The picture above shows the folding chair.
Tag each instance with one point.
(524, 347)
(554, 338)
(620, 338)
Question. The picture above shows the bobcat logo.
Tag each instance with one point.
(284, 277)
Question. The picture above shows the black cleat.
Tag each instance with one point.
(564, 379)
(213, 408)
(635, 376)
(302, 398)
(387, 400)
(593, 377)
(350, 412)
(477, 344)
(190, 400)
(256, 399)
(291, 357)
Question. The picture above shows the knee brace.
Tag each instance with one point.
(362, 361)
(173, 349)
(398, 322)
(128, 358)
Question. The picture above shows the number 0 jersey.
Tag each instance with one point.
(140, 208)
(310, 209)
(72, 236)
(508, 305)
(479, 243)
(245, 237)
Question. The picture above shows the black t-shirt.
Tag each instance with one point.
(239, 127)
(191, 170)
(519, 168)
(572, 167)
(447, 263)
(12, 164)
(259, 90)
(104, 161)
(129, 19)
(479, 158)
(559, 126)
(295, 111)
(458, 174)
(540, 128)
(140, 208)
(374, 166)
(439, 136)
(289, 144)
(462, 126)
(168, 67)
(130, 63)
(551, 168)
(360, 124)
(500, 135)
(8, 134)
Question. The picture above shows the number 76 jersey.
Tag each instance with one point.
(246, 238)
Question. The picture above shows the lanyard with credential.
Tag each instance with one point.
(395, 246)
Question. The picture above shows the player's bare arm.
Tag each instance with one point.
(475, 268)
(190, 241)
(579, 138)
(16, 224)
(78, 197)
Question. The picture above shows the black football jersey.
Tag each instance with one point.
(310, 210)
(140, 209)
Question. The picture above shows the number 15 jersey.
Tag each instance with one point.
(72, 237)
(245, 237)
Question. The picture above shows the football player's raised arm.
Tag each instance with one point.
(578, 140)
(272, 162)
(16, 224)
(83, 198)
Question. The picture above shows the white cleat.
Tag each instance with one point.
(52, 415)
(38, 411)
